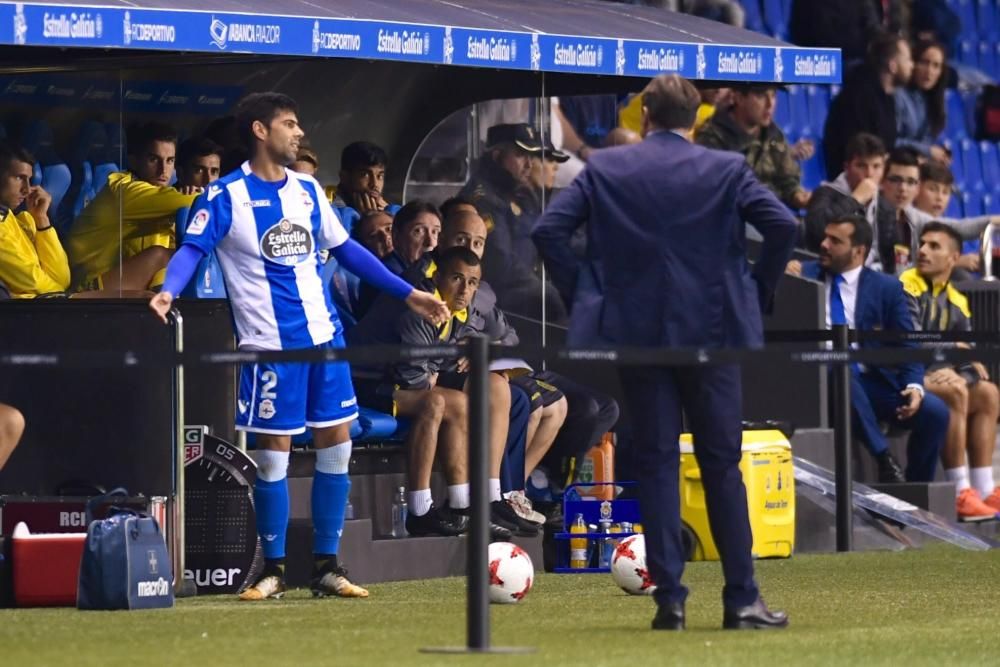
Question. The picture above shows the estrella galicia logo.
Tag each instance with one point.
(219, 32)
(287, 243)
(20, 24)
(449, 46)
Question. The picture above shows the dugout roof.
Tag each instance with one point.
(559, 36)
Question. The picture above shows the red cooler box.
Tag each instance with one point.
(46, 567)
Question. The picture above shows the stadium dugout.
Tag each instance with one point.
(408, 75)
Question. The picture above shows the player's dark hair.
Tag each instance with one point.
(950, 232)
(863, 145)
(141, 137)
(197, 147)
(937, 172)
(361, 154)
(262, 107)
(405, 216)
(364, 219)
(903, 156)
(9, 153)
(458, 253)
(450, 204)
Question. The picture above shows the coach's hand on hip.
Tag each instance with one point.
(427, 306)
(160, 304)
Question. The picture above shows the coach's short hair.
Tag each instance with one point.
(261, 107)
(671, 102)
(405, 216)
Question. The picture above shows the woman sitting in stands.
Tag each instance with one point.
(920, 107)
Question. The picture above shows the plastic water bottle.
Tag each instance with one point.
(348, 511)
(578, 545)
(399, 513)
(607, 545)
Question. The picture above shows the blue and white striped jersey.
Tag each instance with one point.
(267, 237)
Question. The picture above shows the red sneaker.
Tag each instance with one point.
(970, 507)
(993, 500)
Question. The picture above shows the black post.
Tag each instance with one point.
(478, 581)
(842, 441)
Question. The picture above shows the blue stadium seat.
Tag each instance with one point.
(972, 162)
(812, 169)
(972, 204)
(783, 113)
(776, 18)
(966, 10)
(967, 54)
(954, 209)
(986, 18)
(818, 98)
(955, 127)
(969, 100)
(754, 19)
(988, 58)
(991, 165)
(957, 165)
(800, 113)
(51, 172)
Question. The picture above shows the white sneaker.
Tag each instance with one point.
(523, 507)
(267, 587)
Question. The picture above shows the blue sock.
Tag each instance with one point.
(329, 501)
(271, 504)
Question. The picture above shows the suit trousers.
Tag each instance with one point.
(874, 398)
(711, 398)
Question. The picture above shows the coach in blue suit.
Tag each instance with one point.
(666, 266)
(866, 300)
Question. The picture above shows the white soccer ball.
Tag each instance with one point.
(511, 573)
(628, 566)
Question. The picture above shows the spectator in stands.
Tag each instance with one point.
(867, 101)
(374, 232)
(973, 401)
(124, 238)
(900, 186)
(855, 192)
(935, 20)
(415, 230)
(865, 300)
(199, 162)
(32, 261)
(306, 161)
(920, 108)
(586, 121)
(936, 188)
(11, 429)
(847, 25)
(747, 127)
(725, 11)
(496, 187)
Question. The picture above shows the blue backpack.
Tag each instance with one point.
(125, 563)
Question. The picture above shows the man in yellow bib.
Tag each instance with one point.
(32, 261)
(124, 238)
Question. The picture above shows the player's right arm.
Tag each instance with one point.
(210, 221)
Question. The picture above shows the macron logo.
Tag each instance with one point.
(149, 589)
(214, 192)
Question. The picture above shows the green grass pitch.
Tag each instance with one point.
(937, 606)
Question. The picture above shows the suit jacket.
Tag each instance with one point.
(666, 261)
(881, 304)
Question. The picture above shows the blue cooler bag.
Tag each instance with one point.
(125, 564)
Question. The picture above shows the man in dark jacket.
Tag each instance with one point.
(867, 103)
(748, 127)
(494, 189)
(855, 192)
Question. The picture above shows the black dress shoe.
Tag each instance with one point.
(889, 471)
(502, 514)
(669, 616)
(436, 522)
(753, 617)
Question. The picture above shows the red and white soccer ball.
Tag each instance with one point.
(628, 566)
(511, 573)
